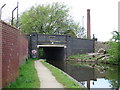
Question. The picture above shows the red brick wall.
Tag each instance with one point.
(14, 51)
(23, 50)
(0, 56)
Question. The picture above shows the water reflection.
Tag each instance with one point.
(92, 75)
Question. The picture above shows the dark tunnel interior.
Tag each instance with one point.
(54, 55)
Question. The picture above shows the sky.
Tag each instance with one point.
(104, 13)
(100, 82)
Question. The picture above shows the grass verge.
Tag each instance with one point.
(61, 77)
(81, 56)
(27, 76)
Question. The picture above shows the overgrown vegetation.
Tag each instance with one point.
(61, 77)
(81, 57)
(41, 52)
(27, 76)
(115, 48)
(114, 52)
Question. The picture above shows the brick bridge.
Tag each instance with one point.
(60, 46)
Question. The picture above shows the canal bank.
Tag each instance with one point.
(47, 80)
(90, 74)
(63, 77)
(94, 57)
(52, 77)
(94, 75)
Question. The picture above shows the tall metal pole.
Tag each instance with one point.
(1, 11)
(82, 33)
(17, 15)
(12, 15)
(82, 21)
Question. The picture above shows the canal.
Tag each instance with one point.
(91, 75)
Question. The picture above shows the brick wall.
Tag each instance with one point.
(0, 56)
(23, 49)
(14, 52)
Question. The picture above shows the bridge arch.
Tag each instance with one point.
(54, 54)
(61, 43)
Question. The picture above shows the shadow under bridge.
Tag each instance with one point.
(53, 53)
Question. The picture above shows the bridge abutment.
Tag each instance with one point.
(70, 45)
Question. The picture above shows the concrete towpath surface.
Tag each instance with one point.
(47, 80)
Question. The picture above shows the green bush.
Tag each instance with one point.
(114, 51)
(115, 47)
(41, 52)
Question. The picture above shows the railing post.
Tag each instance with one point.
(1, 11)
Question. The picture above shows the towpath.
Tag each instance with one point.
(47, 80)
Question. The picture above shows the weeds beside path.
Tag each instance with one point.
(61, 77)
(47, 80)
(27, 76)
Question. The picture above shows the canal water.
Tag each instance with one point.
(91, 75)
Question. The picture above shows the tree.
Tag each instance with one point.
(115, 47)
(116, 36)
(49, 19)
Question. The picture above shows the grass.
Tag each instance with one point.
(61, 77)
(85, 57)
(110, 61)
(27, 76)
(81, 56)
(81, 64)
